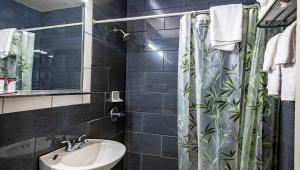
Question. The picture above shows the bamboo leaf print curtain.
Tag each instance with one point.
(223, 109)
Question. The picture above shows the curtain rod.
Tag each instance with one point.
(161, 15)
(128, 19)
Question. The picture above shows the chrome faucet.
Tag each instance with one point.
(75, 145)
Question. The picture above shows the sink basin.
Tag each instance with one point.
(98, 154)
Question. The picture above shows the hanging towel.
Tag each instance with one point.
(264, 7)
(226, 26)
(274, 81)
(288, 85)
(270, 53)
(286, 46)
(6, 38)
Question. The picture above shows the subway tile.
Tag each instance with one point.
(134, 121)
(16, 127)
(160, 124)
(117, 80)
(153, 61)
(170, 103)
(170, 61)
(48, 143)
(77, 130)
(144, 102)
(135, 42)
(158, 163)
(172, 22)
(26, 103)
(136, 26)
(134, 81)
(99, 79)
(169, 147)
(143, 143)
(97, 103)
(161, 4)
(119, 138)
(160, 82)
(105, 55)
(132, 161)
(135, 62)
(18, 155)
(155, 24)
(96, 128)
(47, 121)
(66, 100)
(161, 40)
(135, 5)
(82, 113)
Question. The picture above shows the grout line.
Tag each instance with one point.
(161, 146)
(154, 134)
(51, 104)
(151, 155)
(141, 161)
(2, 111)
(161, 114)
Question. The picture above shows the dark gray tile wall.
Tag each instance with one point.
(25, 136)
(151, 82)
(286, 135)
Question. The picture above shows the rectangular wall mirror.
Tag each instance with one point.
(38, 53)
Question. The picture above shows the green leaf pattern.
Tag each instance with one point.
(222, 100)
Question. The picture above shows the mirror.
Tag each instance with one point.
(38, 52)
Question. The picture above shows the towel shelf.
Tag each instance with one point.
(280, 14)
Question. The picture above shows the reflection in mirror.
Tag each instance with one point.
(40, 59)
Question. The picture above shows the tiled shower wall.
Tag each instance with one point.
(151, 82)
(24, 136)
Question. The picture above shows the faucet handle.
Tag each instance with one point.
(68, 145)
(80, 139)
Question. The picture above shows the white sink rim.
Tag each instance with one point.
(60, 164)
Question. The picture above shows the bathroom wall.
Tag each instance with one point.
(151, 82)
(286, 135)
(24, 136)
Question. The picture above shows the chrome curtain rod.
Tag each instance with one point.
(161, 15)
(129, 19)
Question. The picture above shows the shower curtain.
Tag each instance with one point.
(225, 119)
(19, 63)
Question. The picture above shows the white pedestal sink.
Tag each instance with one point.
(96, 155)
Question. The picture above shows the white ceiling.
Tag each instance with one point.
(50, 5)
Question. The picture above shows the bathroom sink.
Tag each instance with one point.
(98, 154)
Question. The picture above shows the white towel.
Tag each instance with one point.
(226, 26)
(270, 53)
(274, 81)
(6, 38)
(288, 85)
(286, 46)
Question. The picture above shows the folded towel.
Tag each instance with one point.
(288, 85)
(286, 46)
(270, 53)
(274, 81)
(6, 38)
(226, 26)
